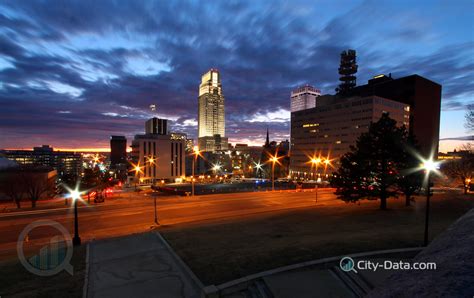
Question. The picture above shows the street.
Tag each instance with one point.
(134, 214)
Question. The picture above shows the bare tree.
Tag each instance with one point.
(470, 118)
(37, 185)
(12, 186)
(462, 169)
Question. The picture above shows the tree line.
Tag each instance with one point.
(384, 163)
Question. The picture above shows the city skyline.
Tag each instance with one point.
(71, 79)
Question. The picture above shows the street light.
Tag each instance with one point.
(429, 166)
(216, 168)
(137, 169)
(315, 163)
(75, 195)
(274, 159)
(151, 161)
(196, 153)
(258, 166)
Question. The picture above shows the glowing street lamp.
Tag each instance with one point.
(137, 169)
(258, 166)
(428, 166)
(196, 153)
(315, 161)
(75, 195)
(216, 168)
(274, 159)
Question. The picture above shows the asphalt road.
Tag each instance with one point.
(135, 213)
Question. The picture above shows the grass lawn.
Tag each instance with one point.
(221, 251)
(16, 281)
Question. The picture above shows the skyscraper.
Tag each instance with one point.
(156, 126)
(304, 97)
(211, 118)
(118, 150)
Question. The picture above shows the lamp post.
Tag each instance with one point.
(156, 215)
(196, 154)
(315, 162)
(151, 161)
(429, 166)
(216, 168)
(273, 159)
(258, 166)
(75, 196)
(137, 170)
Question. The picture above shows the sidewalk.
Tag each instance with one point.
(317, 278)
(140, 265)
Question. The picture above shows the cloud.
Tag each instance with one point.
(106, 62)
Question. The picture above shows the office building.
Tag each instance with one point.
(329, 129)
(65, 163)
(211, 113)
(304, 97)
(156, 126)
(424, 98)
(159, 156)
(118, 150)
(213, 143)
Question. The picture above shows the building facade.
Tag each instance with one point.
(156, 126)
(424, 98)
(214, 143)
(118, 150)
(211, 112)
(304, 97)
(158, 156)
(333, 126)
(65, 163)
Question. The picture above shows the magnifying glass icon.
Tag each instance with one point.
(347, 264)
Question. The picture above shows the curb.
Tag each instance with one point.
(181, 263)
(214, 291)
(86, 274)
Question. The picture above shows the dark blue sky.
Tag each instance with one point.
(72, 73)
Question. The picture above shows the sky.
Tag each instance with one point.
(72, 73)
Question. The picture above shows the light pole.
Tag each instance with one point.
(156, 216)
(216, 168)
(273, 159)
(196, 153)
(258, 166)
(75, 196)
(151, 161)
(315, 162)
(137, 170)
(429, 166)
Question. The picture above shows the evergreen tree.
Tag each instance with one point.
(410, 178)
(370, 169)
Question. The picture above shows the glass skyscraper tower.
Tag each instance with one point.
(211, 117)
(211, 105)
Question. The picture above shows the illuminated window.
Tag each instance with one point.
(310, 124)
